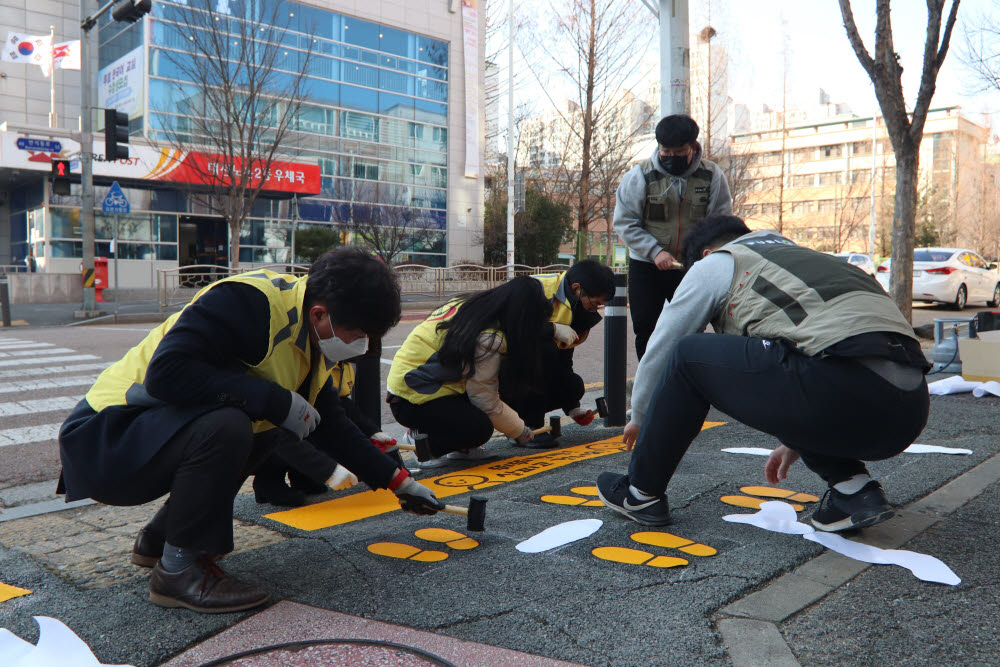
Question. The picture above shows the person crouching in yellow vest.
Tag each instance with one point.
(576, 295)
(189, 411)
(310, 464)
(444, 379)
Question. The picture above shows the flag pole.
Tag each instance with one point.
(52, 76)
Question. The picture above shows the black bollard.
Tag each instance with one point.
(4, 299)
(615, 346)
(368, 384)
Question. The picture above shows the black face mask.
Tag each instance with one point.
(675, 165)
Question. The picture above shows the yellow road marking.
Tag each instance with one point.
(668, 540)
(452, 538)
(774, 492)
(571, 500)
(407, 552)
(636, 557)
(755, 503)
(585, 490)
(372, 503)
(8, 592)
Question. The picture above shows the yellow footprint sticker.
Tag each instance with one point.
(576, 500)
(450, 538)
(8, 592)
(655, 539)
(768, 493)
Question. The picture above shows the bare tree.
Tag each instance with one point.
(592, 45)
(852, 208)
(383, 217)
(905, 129)
(240, 90)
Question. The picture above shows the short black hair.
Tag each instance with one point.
(676, 130)
(711, 232)
(595, 279)
(358, 289)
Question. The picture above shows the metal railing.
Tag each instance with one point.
(177, 286)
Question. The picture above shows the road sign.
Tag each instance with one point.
(115, 202)
(43, 145)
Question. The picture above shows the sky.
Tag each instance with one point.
(819, 54)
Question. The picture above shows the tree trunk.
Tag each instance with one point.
(234, 245)
(904, 219)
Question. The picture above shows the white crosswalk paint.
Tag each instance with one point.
(52, 370)
(29, 362)
(47, 383)
(24, 346)
(28, 353)
(12, 341)
(37, 405)
(29, 434)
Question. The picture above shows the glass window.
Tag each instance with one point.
(396, 82)
(931, 256)
(363, 75)
(67, 248)
(431, 112)
(324, 67)
(395, 105)
(360, 33)
(396, 41)
(359, 126)
(432, 51)
(318, 22)
(65, 223)
(353, 97)
(166, 252)
(252, 233)
(165, 228)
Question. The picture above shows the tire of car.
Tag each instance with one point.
(960, 298)
(996, 297)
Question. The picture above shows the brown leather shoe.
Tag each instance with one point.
(204, 587)
(147, 549)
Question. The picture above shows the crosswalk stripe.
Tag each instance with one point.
(47, 383)
(24, 346)
(37, 405)
(11, 341)
(28, 353)
(29, 362)
(29, 434)
(52, 370)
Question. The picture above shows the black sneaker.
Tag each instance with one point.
(613, 490)
(840, 511)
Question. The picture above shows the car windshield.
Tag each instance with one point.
(931, 256)
(843, 257)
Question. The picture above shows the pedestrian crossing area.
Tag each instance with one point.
(39, 384)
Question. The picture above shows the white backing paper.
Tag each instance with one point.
(916, 448)
(991, 387)
(559, 535)
(779, 517)
(953, 385)
(757, 451)
(57, 645)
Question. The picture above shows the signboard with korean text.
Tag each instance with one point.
(119, 85)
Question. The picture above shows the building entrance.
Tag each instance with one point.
(201, 241)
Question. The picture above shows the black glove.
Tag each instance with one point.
(302, 418)
(416, 498)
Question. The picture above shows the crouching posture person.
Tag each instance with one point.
(207, 395)
(812, 352)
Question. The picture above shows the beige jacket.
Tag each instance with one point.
(483, 387)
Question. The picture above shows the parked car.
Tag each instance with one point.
(950, 275)
(862, 261)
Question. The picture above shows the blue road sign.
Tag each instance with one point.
(43, 145)
(115, 202)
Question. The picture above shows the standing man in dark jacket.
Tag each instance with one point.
(658, 201)
(190, 410)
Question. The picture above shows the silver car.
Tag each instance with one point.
(860, 260)
(950, 275)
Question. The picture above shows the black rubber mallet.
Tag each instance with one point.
(602, 407)
(422, 447)
(475, 513)
(554, 427)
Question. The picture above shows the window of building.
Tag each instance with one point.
(861, 148)
(829, 178)
(802, 180)
(826, 205)
(831, 151)
(800, 207)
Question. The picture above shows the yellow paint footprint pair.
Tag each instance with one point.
(8, 592)
(450, 538)
(656, 539)
(578, 499)
(766, 493)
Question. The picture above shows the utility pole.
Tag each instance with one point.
(675, 62)
(510, 142)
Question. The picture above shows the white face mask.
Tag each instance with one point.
(336, 350)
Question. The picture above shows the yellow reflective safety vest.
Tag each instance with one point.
(286, 363)
(416, 374)
(555, 291)
(343, 376)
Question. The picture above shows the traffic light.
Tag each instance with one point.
(115, 135)
(130, 11)
(60, 177)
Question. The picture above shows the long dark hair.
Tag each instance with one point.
(517, 308)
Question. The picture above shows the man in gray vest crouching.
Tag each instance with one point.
(811, 351)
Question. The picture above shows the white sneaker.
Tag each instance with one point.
(417, 463)
(479, 453)
(432, 463)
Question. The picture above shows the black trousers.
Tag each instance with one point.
(450, 423)
(834, 412)
(201, 468)
(648, 289)
(561, 388)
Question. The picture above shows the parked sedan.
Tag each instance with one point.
(863, 262)
(950, 275)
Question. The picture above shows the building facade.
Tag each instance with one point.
(384, 124)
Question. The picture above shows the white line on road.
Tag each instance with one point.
(47, 383)
(28, 353)
(93, 328)
(38, 405)
(29, 434)
(387, 362)
(10, 341)
(29, 362)
(52, 370)
(391, 347)
(21, 346)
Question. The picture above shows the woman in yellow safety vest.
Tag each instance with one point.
(444, 379)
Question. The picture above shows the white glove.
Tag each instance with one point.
(564, 334)
(527, 435)
(302, 418)
(342, 478)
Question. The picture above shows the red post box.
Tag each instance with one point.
(100, 278)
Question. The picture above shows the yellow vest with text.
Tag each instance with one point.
(286, 362)
(416, 373)
(343, 376)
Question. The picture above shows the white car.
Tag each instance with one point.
(950, 275)
(862, 261)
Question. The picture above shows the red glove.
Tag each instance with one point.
(581, 416)
(383, 442)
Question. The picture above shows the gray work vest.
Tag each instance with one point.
(667, 217)
(781, 290)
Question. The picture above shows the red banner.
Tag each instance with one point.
(202, 168)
